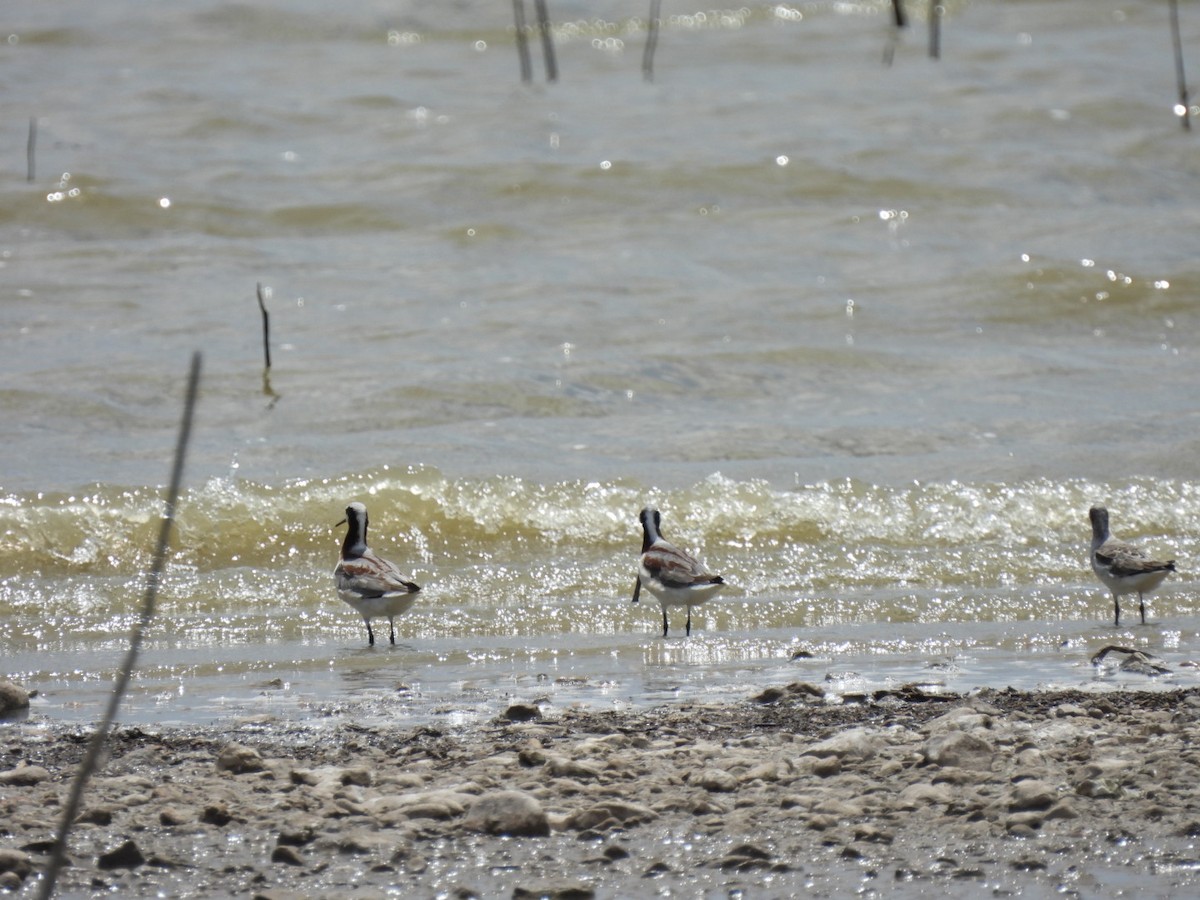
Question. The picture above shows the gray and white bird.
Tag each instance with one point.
(1124, 568)
(671, 575)
(369, 583)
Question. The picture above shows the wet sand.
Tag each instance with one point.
(903, 793)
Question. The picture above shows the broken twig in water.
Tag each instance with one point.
(543, 17)
(1183, 109)
(31, 151)
(899, 22)
(522, 40)
(936, 11)
(652, 25)
(91, 759)
(263, 293)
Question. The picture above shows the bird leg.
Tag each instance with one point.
(664, 621)
(1117, 614)
(1142, 607)
(688, 627)
(392, 623)
(370, 633)
(637, 589)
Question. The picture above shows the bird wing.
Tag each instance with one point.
(1125, 559)
(371, 576)
(674, 568)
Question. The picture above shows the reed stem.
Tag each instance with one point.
(91, 759)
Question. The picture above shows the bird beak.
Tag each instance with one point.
(339, 524)
(637, 589)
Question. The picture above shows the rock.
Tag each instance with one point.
(126, 856)
(24, 776)
(360, 776)
(15, 861)
(717, 781)
(1032, 794)
(216, 814)
(298, 831)
(286, 855)
(96, 815)
(531, 756)
(857, 744)
(916, 795)
(745, 857)
(1063, 809)
(521, 712)
(610, 814)
(14, 699)
(508, 812)
(443, 804)
(770, 695)
(239, 759)
(959, 749)
(10, 881)
(1098, 788)
(173, 815)
(561, 767)
(962, 718)
(827, 767)
(554, 890)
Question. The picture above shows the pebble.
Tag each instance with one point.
(239, 759)
(508, 812)
(24, 776)
(15, 862)
(554, 890)
(124, 856)
(14, 699)
(960, 749)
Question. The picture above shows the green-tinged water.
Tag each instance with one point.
(526, 589)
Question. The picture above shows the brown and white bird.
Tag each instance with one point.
(369, 583)
(1123, 568)
(668, 573)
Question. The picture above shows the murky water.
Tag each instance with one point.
(874, 339)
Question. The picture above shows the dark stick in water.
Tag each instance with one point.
(899, 21)
(31, 150)
(543, 17)
(936, 11)
(96, 746)
(1185, 110)
(522, 40)
(652, 24)
(262, 305)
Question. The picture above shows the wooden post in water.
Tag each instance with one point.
(1184, 108)
(31, 151)
(899, 21)
(652, 23)
(543, 17)
(263, 294)
(936, 11)
(266, 320)
(522, 41)
(91, 759)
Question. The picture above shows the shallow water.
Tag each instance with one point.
(874, 339)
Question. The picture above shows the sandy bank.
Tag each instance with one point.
(1050, 792)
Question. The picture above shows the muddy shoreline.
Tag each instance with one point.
(1068, 792)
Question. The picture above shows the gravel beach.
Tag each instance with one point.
(903, 793)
